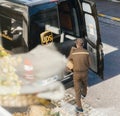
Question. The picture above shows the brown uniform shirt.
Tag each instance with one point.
(80, 58)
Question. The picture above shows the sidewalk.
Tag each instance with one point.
(108, 9)
(67, 106)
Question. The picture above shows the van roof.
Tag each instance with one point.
(31, 2)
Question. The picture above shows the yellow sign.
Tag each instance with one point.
(46, 37)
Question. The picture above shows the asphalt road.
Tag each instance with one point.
(108, 7)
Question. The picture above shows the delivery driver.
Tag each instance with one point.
(80, 59)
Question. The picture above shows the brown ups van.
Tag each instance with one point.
(24, 24)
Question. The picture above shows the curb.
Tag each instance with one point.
(109, 17)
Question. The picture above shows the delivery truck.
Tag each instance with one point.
(24, 24)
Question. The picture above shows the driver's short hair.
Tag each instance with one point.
(79, 41)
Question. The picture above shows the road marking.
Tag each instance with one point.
(108, 48)
(109, 17)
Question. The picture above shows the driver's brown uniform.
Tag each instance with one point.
(81, 62)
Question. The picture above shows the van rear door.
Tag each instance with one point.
(78, 18)
(92, 38)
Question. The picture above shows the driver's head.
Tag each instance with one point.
(79, 42)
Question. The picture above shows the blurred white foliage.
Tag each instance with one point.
(46, 61)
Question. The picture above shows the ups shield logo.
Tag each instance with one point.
(46, 37)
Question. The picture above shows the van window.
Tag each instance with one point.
(68, 18)
(11, 30)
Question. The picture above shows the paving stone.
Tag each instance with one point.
(67, 108)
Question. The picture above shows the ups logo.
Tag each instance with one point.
(46, 37)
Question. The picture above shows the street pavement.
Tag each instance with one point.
(108, 9)
(67, 106)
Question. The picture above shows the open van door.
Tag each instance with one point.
(92, 38)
